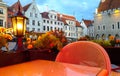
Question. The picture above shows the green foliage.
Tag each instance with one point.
(103, 43)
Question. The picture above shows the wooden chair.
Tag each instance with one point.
(85, 53)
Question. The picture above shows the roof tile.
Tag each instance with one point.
(108, 4)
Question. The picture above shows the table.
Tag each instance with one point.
(50, 68)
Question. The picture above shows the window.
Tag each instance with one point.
(31, 14)
(38, 23)
(54, 17)
(38, 29)
(55, 28)
(61, 23)
(55, 23)
(33, 29)
(47, 28)
(113, 26)
(1, 22)
(98, 27)
(58, 29)
(103, 27)
(69, 28)
(1, 11)
(33, 22)
(44, 21)
(51, 22)
(47, 21)
(36, 15)
(118, 25)
(51, 16)
(66, 27)
(51, 28)
(44, 28)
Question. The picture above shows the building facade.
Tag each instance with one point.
(88, 28)
(34, 22)
(51, 21)
(107, 19)
(42, 22)
(3, 14)
(79, 30)
(70, 26)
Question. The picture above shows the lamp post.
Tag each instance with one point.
(19, 27)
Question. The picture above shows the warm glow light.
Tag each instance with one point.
(99, 14)
(19, 26)
(116, 11)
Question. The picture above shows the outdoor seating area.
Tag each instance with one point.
(40, 41)
(80, 53)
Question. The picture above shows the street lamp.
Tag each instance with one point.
(19, 27)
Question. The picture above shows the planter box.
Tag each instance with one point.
(114, 54)
(10, 58)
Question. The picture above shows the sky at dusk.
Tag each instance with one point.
(78, 8)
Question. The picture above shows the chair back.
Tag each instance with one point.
(85, 53)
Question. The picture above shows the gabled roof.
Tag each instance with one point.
(87, 22)
(63, 17)
(68, 17)
(15, 6)
(25, 8)
(108, 4)
(78, 24)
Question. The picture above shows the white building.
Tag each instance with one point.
(88, 28)
(79, 30)
(90, 31)
(51, 21)
(34, 22)
(70, 28)
(3, 14)
(107, 19)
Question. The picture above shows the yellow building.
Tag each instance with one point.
(3, 14)
(107, 19)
